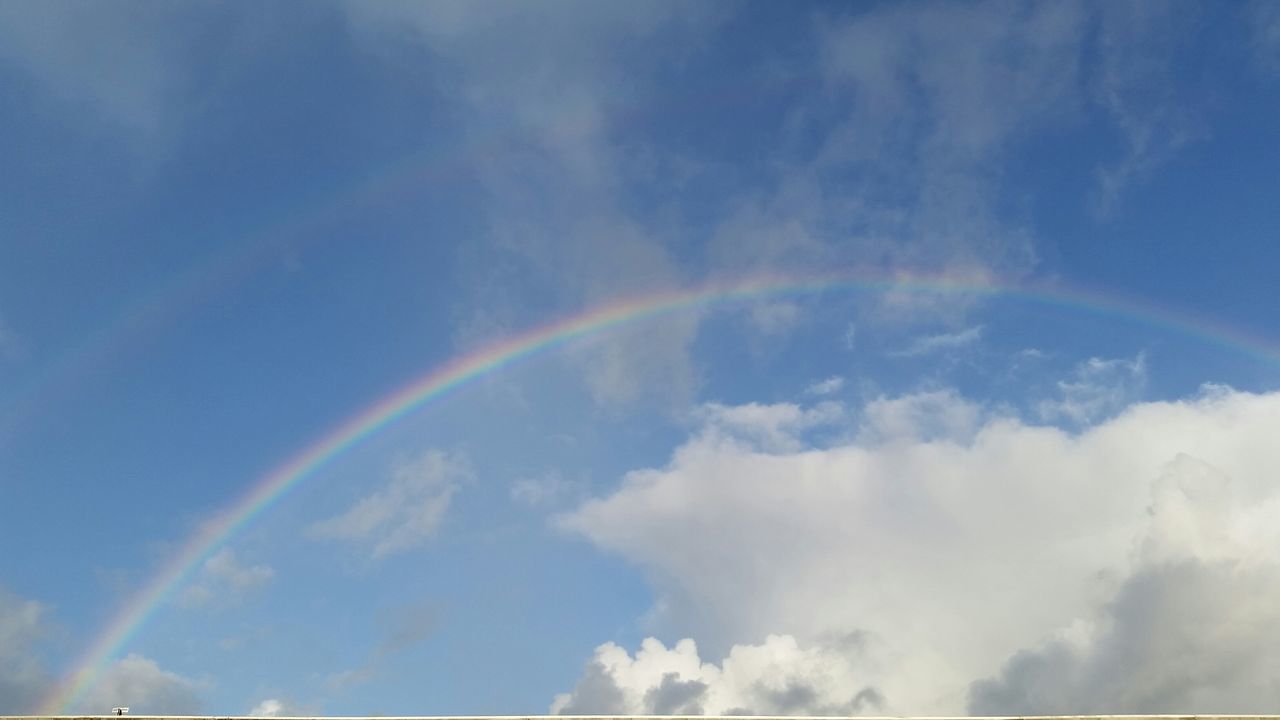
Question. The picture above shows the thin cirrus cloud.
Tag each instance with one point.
(404, 512)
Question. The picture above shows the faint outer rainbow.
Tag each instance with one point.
(459, 371)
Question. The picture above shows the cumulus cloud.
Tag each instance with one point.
(960, 544)
(224, 580)
(275, 707)
(144, 687)
(406, 511)
(777, 427)
(23, 626)
(776, 677)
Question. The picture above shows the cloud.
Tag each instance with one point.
(545, 490)
(777, 427)
(1192, 629)
(122, 64)
(133, 681)
(224, 580)
(535, 89)
(776, 677)
(407, 511)
(1097, 389)
(1264, 22)
(144, 687)
(402, 628)
(829, 386)
(275, 707)
(956, 544)
(24, 625)
(1137, 86)
(11, 345)
(929, 344)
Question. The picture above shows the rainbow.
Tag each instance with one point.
(458, 372)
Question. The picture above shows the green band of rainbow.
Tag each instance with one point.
(458, 372)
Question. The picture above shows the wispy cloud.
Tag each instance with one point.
(1097, 388)
(829, 386)
(929, 344)
(406, 511)
(223, 580)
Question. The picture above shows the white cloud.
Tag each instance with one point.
(404, 513)
(776, 677)
(776, 427)
(224, 580)
(850, 336)
(23, 678)
(141, 685)
(829, 386)
(957, 544)
(270, 707)
(929, 344)
(275, 707)
(1098, 388)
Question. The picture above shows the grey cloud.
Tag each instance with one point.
(144, 687)
(402, 628)
(405, 627)
(1188, 637)
(23, 678)
(595, 693)
(1194, 628)
(675, 696)
(134, 681)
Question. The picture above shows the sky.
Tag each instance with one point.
(639, 358)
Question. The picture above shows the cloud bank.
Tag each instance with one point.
(999, 565)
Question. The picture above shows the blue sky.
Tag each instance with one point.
(227, 229)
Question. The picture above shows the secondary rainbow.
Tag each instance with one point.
(454, 374)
